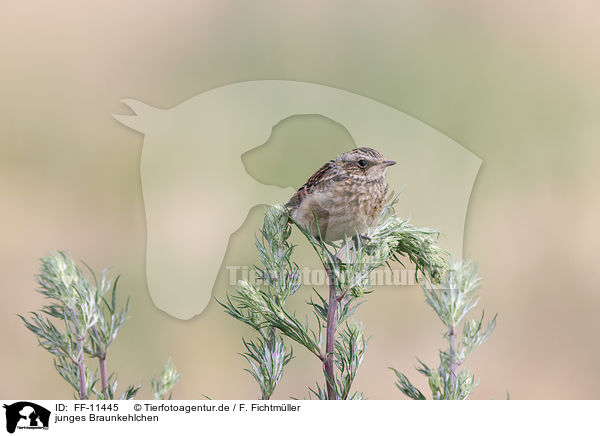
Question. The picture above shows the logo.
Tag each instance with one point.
(26, 415)
(209, 161)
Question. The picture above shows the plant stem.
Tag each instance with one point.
(80, 362)
(270, 342)
(330, 336)
(452, 356)
(81, 369)
(103, 376)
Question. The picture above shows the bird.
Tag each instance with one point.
(345, 195)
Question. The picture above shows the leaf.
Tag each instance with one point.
(406, 387)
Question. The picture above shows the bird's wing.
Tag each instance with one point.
(318, 179)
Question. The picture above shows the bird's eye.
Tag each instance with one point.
(362, 163)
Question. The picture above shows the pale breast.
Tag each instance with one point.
(343, 208)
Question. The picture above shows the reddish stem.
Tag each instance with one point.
(452, 356)
(330, 337)
(81, 370)
(103, 376)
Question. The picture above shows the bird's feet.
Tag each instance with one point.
(358, 240)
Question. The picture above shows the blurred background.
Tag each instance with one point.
(513, 82)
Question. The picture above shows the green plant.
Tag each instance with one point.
(263, 309)
(162, 385)
(81, 322)
(267, 354)
(454, 299)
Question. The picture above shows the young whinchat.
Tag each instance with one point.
(345, 195)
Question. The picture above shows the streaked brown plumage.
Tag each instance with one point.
(346, 194)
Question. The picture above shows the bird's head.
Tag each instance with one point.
(364, 162)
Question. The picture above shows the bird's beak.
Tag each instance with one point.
(388, 163)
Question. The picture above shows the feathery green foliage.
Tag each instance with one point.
(162, 385)
(264, 310)
(452, 302)
(80, 321)
(390, 239)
